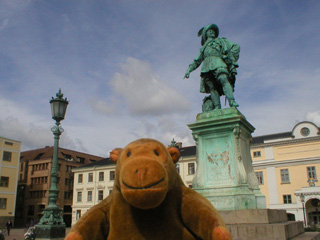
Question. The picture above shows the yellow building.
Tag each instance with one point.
(9, 168)
(286, 165)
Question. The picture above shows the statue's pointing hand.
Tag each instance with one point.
(186, 75)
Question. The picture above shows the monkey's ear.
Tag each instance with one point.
(175, 153)
(200, 32)
(115, 154)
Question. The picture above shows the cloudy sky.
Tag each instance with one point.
(121, 64)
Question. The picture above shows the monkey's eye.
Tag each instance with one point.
(128, 154)
(156, 152)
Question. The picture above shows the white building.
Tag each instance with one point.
(94, 182)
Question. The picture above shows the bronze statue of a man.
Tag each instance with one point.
(219, 58)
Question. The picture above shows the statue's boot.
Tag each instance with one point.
(227, 90)
(233, 103)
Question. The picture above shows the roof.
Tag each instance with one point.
(47, 153)
(187, 151)
(261, 139)
(103, 162)
(5, 138)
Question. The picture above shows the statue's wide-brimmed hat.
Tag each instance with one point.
(202, 32)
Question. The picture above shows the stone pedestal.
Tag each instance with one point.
(224, 173)
(264, 224)
(53, 232)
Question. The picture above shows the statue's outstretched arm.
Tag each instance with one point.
(194, 65)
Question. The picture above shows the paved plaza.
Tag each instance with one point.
(18, 233)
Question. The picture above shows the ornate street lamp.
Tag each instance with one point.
(51, 225)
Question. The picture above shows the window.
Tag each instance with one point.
(78, 215)
(305, 131)
(287, 199)
(4, 181)
(89, 198)
(100, 195)
(112, 175)
(178, 168)
(41, 207)
(90, 177)
(191, 169)
(285, 176)
(257, 154)
(260, 178)
(80, 176)
(67, 195)
(30, 210)
(38, 156)
(101, 176)
(3, 203)
(312, 172)
(80, 159)
(67, 156)
(7, 156)
(8, 143)
(79, 196)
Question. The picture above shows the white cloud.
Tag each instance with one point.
(100, 106)
(143, 91)
(33, 137)
(314, 117)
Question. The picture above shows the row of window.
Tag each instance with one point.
(191, 171)
(39, 180)
(311, 174)
(38, 194)
(89, 195)
(101, 176)
(191, 168)
(40, 167)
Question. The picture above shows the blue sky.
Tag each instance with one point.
(121, 65)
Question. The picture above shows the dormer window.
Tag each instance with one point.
(305, 131)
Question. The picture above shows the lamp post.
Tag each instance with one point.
(51, 225)
(302, 199)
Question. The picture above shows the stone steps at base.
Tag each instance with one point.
(273, 231)
(308, 236)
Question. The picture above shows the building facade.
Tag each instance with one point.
(34, 182)
(9, 168)
(94, 182)
(286, 164)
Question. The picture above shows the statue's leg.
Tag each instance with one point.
(215, 99)
(227, 89)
